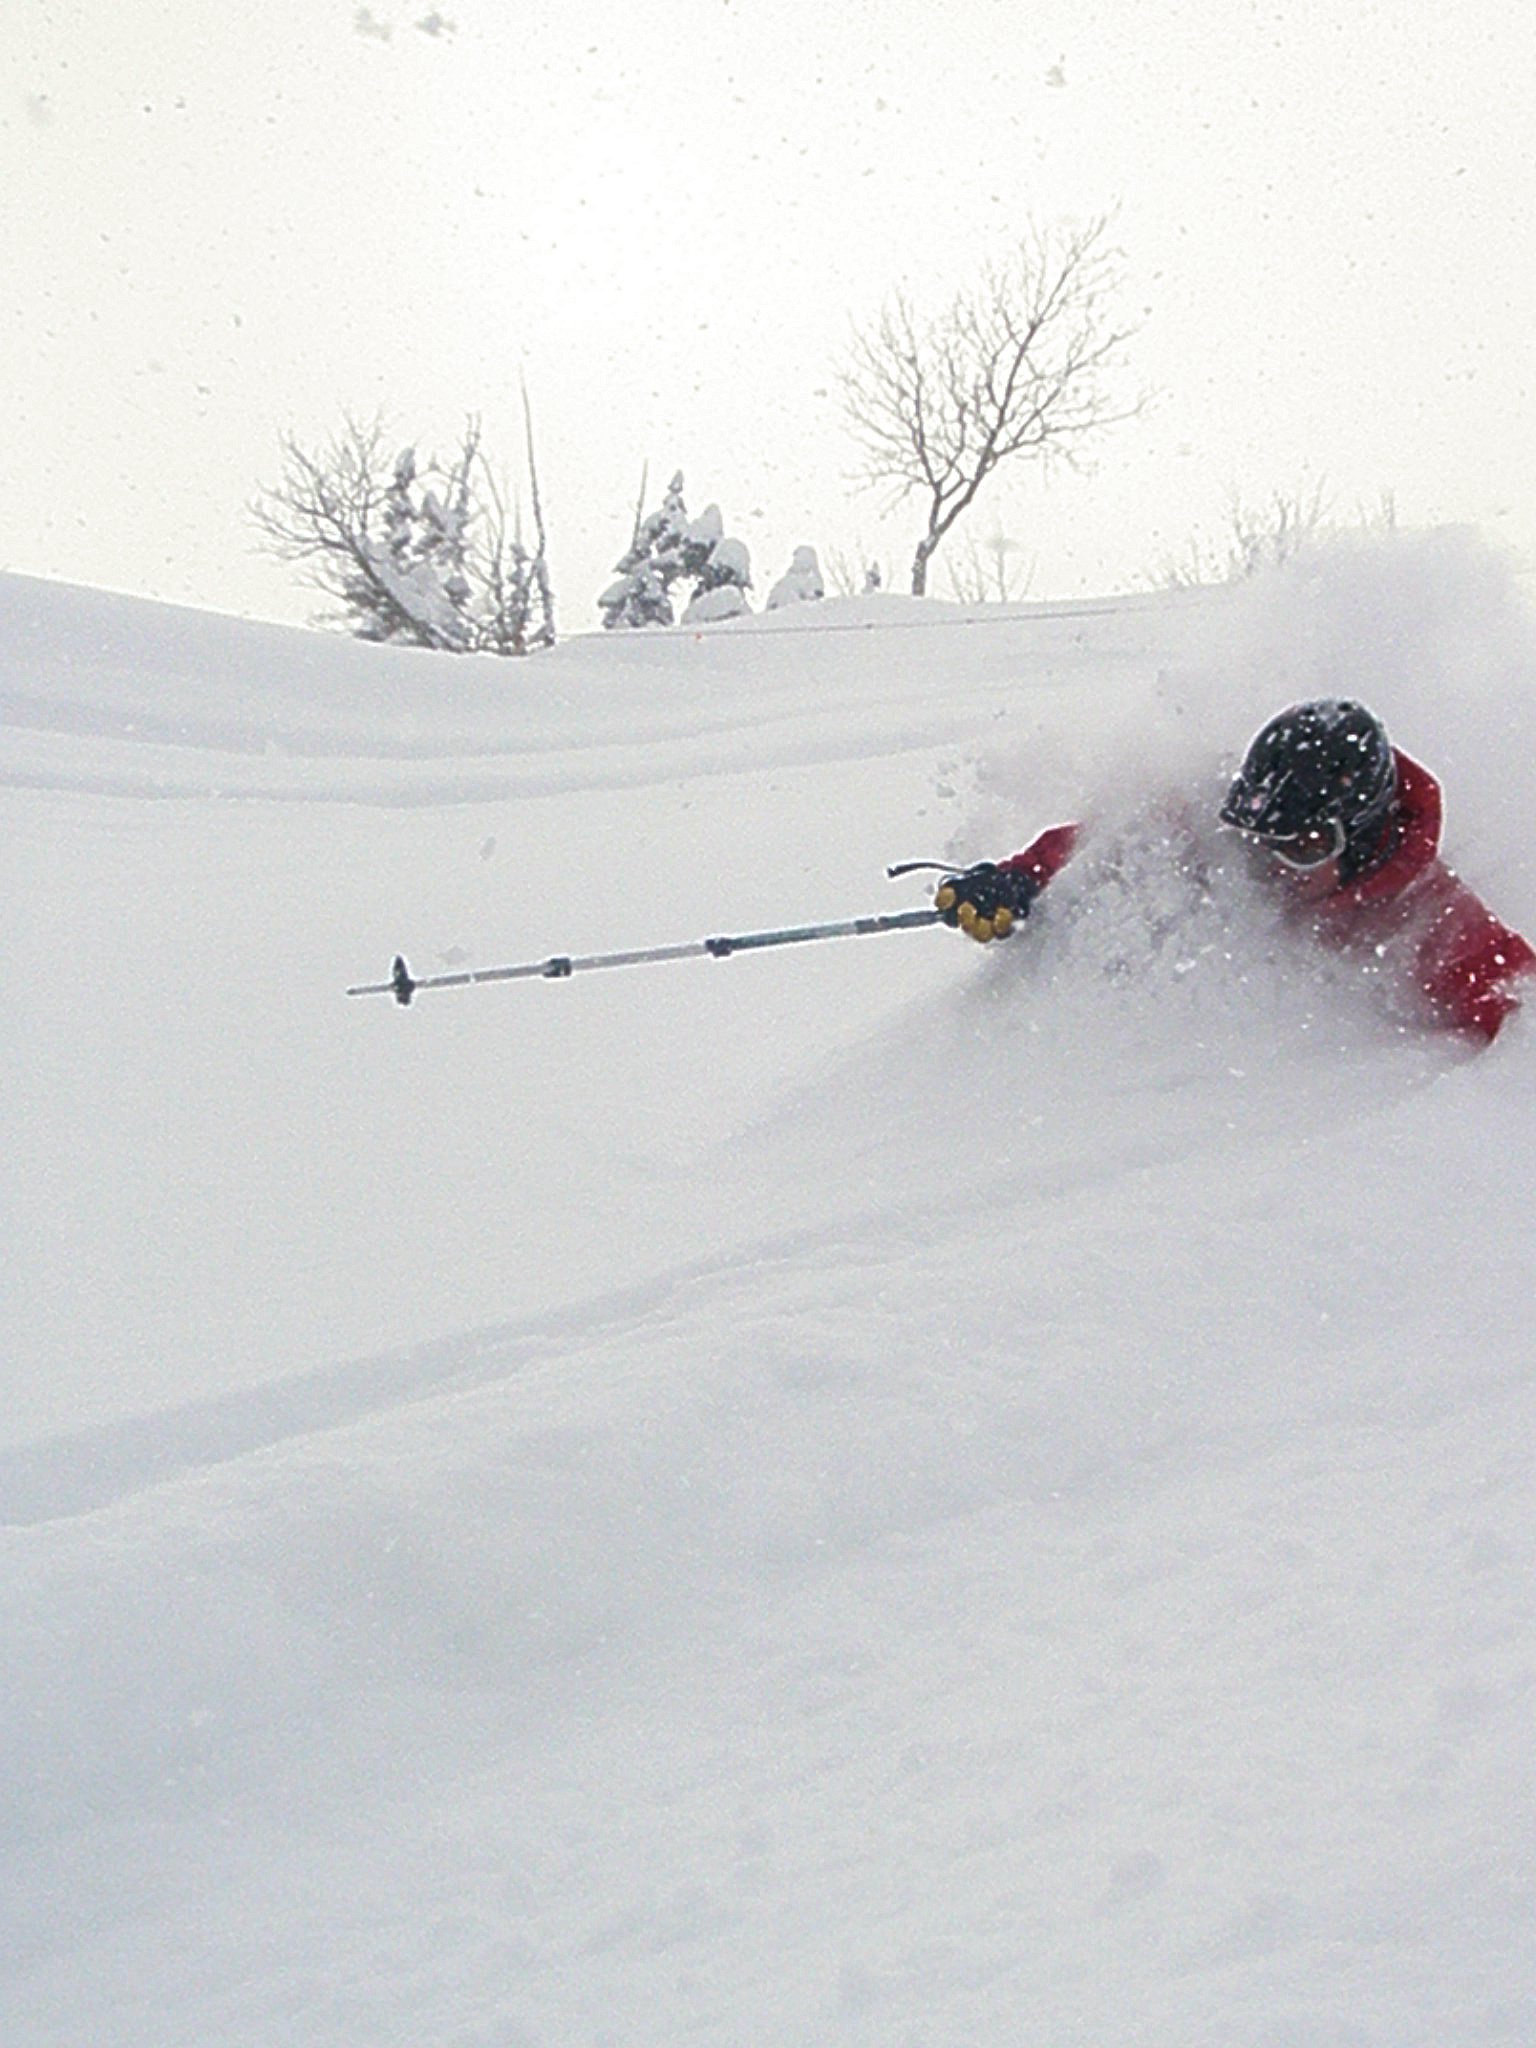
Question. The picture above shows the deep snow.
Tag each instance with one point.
(872, 1494)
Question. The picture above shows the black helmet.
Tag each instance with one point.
(1318, 780)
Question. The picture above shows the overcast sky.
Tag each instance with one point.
(222, 222)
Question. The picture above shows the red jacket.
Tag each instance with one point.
(1410, 906)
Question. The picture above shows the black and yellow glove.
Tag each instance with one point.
(986, 901)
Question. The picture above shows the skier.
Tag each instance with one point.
(1349, 827)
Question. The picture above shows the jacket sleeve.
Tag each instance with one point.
(1463, 958)
(1045, 856)
(1466, 958)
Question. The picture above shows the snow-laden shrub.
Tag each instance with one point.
(725, 601)
(801, 582)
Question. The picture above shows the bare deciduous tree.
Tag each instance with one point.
(1023, 365)
(854, 575)
(1263, 536)
(518, 598)
(990, 572)
(416, 555)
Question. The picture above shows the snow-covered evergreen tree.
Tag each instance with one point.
(721, 569)
(642, 596)
(413, 589)
(668, 548)
(419, 557)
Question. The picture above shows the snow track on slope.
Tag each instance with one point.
(972, 1489)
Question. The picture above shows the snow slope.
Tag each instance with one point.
(871, 1494)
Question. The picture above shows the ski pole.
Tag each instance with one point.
(402, 984)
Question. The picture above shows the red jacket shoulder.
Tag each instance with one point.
(1420, 814)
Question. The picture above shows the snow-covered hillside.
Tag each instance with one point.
(872, 1494)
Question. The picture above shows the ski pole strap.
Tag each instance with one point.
(403, 985)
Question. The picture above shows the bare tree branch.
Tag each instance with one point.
(545, 632)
